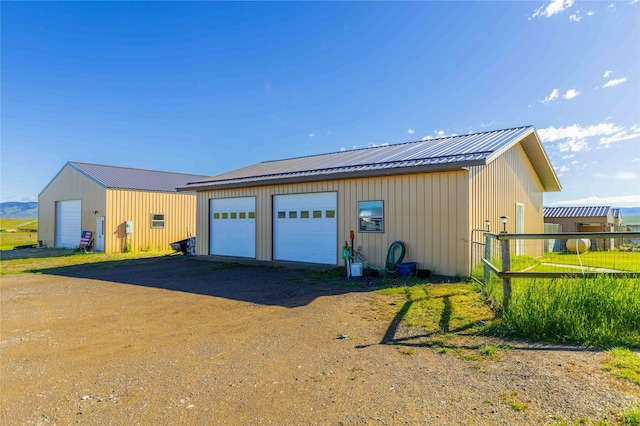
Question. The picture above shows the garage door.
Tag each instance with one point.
(305, 227)
(233, 227)
(68, 223)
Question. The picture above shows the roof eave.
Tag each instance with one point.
(241, 183)
(534, 150)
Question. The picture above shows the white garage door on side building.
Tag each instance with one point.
(68, 223)
(233, 227)
(305, 227)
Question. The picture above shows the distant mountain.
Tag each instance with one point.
(16, 210)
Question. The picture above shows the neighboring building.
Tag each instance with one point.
(584, 219)
(430, 194)
(103, 199)
(617, 216)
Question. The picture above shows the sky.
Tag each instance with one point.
(210, 87)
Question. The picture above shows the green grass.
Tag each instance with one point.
(442, 308)
(8, 240)
(55, 258)
(602, 311)
(18, 223)
(625, 364)
(626, 261)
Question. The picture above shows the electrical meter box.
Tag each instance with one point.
(128, 227)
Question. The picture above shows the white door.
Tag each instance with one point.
(305, 227)
(68, 223)
(99, 237)
(232, 225)
(519, 228)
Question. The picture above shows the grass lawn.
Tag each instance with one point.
(625, 261)
(8, 240)
(34, 259)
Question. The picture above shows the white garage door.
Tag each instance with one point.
(233, 227)
(305, 227)
(68, 223)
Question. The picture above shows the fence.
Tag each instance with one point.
(510, 256)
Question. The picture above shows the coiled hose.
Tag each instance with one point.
(395, 256)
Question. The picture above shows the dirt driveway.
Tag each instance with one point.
(179, 340)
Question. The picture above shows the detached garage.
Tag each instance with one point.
(431, 195)
(104, 199)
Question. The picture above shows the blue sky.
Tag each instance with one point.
(207, 87)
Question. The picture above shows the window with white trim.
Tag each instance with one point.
(157, 220)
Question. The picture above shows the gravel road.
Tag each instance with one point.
(179, 340)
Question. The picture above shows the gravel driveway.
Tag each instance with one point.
(178, 340)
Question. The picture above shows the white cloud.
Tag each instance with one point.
(574, 18)
(552, 8)
(618, 176)
(439, 133)
(636, 160)
(575, 132)
(373, 144)
(567, 156)
(634, 1)
(590, 13)
(614, 82)
(488, 124)
(593, 200)
(342, 148)
(553, 95)
(607, 74)
(622, 135)
(562, 169)
(611, 7)
(311, 135)
(570, 94)
(575, 138)
(427, 138)
(411, 131)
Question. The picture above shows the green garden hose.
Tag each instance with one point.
(392, 260)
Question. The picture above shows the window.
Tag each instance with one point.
(370, 216)
(157, 220)
(304, 214)
(293, 214)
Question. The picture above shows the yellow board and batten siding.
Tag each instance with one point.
(67, 185)
(429, 212)
(138, 206)
(496, 189)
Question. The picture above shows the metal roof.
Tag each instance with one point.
(448, 153)
(114, 177)
(593, 211)
(615, 212)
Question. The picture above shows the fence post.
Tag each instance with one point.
(506, 267)
(487, 256)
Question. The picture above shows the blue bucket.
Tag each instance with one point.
(406, 269)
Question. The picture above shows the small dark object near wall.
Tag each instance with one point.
(423, 273)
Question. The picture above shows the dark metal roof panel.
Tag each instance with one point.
(449, 150)
(616, 212)
(135, 179)
(588, 211)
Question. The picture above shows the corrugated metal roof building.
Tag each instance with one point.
(430, 194)
(584, 219)
(102, 199)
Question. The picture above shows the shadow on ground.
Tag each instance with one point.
(259, 284)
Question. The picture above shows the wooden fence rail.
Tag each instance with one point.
(506, 274)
